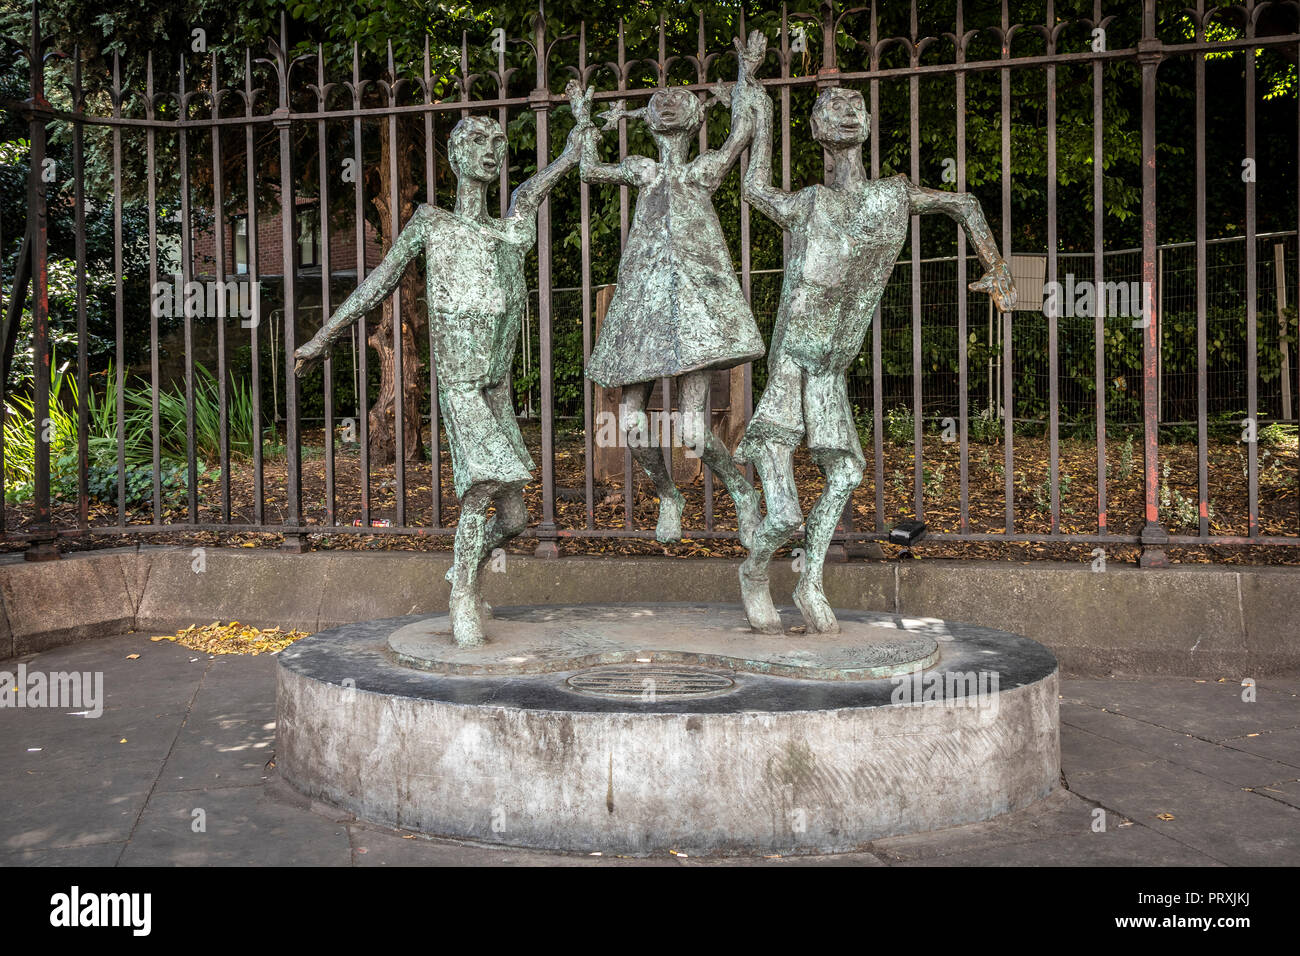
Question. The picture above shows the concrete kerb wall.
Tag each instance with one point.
(1203, 621)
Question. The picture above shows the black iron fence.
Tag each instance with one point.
(1275, 262)
(279, 131)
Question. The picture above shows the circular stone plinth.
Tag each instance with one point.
(543, 640)
(670, 751)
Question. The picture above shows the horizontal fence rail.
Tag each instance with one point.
(257, 183)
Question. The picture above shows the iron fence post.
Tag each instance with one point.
(294, 541)
(1154, 536)
(42, 544)
(540, 102)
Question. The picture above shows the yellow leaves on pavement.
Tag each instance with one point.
(233, 638)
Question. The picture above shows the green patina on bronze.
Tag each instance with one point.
(477, 293)
(558, 639)
(677, 310)
(844, 238)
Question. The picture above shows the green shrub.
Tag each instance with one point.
(1278, 433)
(20, 433)
(173, 415)
(900, 425)
(984, 428)
(102, 436)
(101, 482)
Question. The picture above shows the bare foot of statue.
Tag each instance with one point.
(817, 614)
(756, 595)
(669, 528)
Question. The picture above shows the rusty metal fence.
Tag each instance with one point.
(287, 97)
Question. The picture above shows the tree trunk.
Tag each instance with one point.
(383, 444)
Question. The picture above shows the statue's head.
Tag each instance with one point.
(476, 149)
(839, 118)
(674, 110)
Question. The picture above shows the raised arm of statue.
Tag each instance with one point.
(712, 166)
(371, 292)
(775, 203)
(530, 194)
(632, 171)
(965, 210)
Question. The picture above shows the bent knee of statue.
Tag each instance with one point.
(784, 517)
(841, 469)
(851, 474)
(695, 431)
(511, 522)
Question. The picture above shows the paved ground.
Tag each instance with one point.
(184, 736)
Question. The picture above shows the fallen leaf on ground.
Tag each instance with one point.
(234, 638)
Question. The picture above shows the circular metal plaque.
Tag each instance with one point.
(649, 682)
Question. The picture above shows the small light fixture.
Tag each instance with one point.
(905, 534)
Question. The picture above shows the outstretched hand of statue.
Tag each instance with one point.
(998, 283)
(580, 103)
(750, 55)
(610, 118)
(719, 95)
(306, 358)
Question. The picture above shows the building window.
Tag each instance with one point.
(308, 237)
(239, 225)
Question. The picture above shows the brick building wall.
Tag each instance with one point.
(270, 250)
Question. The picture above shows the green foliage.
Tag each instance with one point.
(1126, 460)
(1278, 433)
(1179, 510)
(984, 428)
(21, 435)
(900, 426)
(102, 437)
(173, 418)
(102, 484)
(932, 479)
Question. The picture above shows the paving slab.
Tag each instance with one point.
(374, 847)
(795, 860)
(1061, 813)
(1146, 741)
(1205, 708)
(1230, 824)
(1122, 846)
(1083, 751)
(229, 736)
(97, 854)
(1284, 791)
(1282, 746)
(243, 826)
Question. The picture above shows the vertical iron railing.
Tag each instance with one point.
(891, 66)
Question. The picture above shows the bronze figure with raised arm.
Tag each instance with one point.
(677, 310)
(477, 293)
(844, 238)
